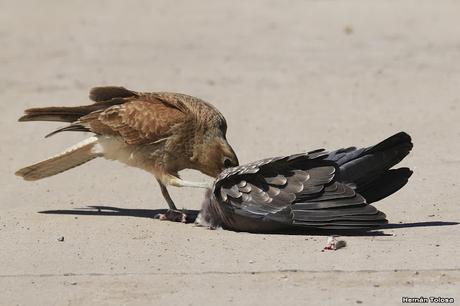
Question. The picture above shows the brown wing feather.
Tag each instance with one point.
(137, 121)
(100, 94)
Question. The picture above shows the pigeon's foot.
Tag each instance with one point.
(172, 215)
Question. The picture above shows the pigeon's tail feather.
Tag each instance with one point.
(401, 139)
(361, 167)
(385, 185)
(80, 153)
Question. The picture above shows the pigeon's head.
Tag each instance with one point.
(208, 216)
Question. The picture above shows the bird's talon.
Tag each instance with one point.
(172, 215)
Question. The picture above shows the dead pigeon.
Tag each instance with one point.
(315, 190)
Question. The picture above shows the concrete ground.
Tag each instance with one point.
(289, 76)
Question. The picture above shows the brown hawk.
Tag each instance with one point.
(162, 133)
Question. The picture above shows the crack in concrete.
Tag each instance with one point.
(225, 272)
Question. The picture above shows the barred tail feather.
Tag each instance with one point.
(74, 156)
(58, 113)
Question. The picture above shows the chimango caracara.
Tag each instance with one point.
(159, 132)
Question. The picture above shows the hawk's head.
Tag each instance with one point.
(214, 156)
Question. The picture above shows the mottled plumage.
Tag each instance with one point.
(162, 133)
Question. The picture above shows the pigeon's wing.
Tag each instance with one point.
(361, 166)
(369, 168)
(297, 190)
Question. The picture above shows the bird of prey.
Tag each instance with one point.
(315, 190)
(162, 133)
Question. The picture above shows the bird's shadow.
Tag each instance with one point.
(97, 210)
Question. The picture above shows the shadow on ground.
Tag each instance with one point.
(192, 214)
(116, 211)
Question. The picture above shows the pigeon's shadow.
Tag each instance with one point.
(192, 214)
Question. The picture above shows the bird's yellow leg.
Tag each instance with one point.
(166, 195)
(177, 182)
(172, 214)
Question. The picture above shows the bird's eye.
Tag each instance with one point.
(227, 163)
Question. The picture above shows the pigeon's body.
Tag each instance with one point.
(162, 133)
(319, 189)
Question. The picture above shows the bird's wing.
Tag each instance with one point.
(136, 117)
(140, 120)
(107, 93)
(298, 190)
